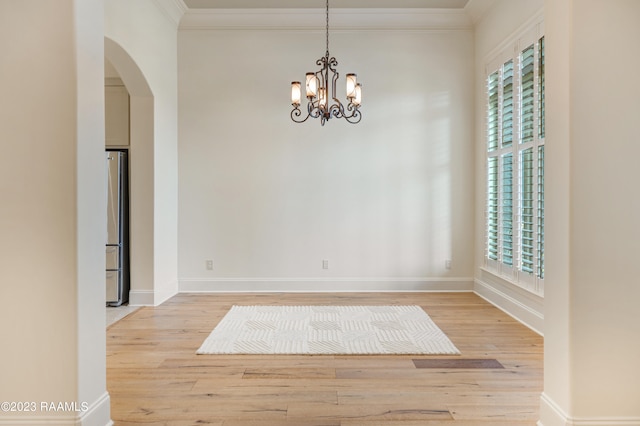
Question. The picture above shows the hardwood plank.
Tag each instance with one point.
(290, 373)
(463, 399)
(493, 412)
(175, 407)
(172, 423)
(290, 422)
(435, 423)
(457, 363)
(368, 412)
(288, 395)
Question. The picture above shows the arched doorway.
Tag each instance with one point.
(141, 150)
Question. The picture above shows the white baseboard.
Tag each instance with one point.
(141, 297)
(97, 414)
(150, 297)
(320, 285)
(162, 296)
(552, 415)
(519, 304)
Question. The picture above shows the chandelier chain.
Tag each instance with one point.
(327, 28)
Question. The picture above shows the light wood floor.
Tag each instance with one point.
(154, 376)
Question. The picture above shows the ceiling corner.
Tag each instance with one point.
(172, 9)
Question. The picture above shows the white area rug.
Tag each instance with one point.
(327, 330)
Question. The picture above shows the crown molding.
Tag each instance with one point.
(477, 9)
(313, 19)
(172, 9)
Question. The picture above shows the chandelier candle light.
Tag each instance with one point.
(320, 88)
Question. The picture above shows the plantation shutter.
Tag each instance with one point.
(540, 248)
(507, 209)
(526, 163)
(527, 96)
(492, 124)
(515, 161)
(492, 209)
(507, 104)
(526, 208)
(541, 83)
(541, 141)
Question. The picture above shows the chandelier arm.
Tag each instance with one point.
(333, 63)
(296, 113)
(324, 75)
(354, 118)
(353, 107)
(355, 113)
(314, 111)
(336, 110)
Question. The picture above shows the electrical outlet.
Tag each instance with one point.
(325, 264)
(447, 264)
(209, 265)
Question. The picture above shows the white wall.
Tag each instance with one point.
(52, 214)
(153, 143)
(386, 201)
(592, 350)
(504, 21)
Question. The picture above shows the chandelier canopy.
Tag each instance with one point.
(320, 89)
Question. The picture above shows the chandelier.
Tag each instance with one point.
(321, 90)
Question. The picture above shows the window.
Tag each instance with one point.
(515, 136)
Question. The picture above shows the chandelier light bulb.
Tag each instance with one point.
(358, 99)
(312, 85)
(351, 86)
(295, 93)
(323, 97)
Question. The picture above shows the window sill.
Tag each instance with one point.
(528, 283)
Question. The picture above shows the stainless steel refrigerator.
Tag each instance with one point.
(117, 245)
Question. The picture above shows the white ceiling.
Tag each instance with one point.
(295, 4)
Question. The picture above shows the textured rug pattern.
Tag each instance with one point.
(327, 330)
